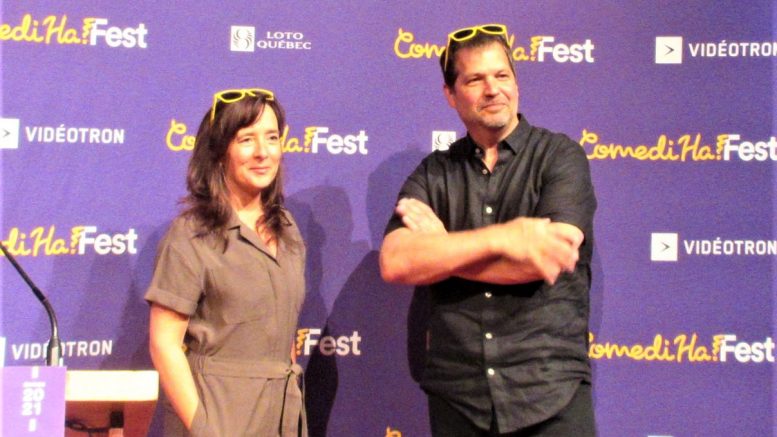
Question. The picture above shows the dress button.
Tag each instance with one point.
(491, 372)
(488, 295)
(489, 210)
(489, 336)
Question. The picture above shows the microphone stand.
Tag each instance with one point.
(54, 349)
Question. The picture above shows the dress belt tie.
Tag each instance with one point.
(207, 365)
(296, 371)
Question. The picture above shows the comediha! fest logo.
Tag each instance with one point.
(63, 30)
(80, 240)
(539, 48)
(316, 139)
(686, 147)
(685, 348)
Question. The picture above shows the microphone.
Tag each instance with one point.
(54, 350)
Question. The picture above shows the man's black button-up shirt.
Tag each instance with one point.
(521, 349)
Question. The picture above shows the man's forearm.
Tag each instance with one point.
(519, 251)
(500, 270)
(504, 270)
(417, 258)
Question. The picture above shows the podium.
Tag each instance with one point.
(32, 401)
(93, 397)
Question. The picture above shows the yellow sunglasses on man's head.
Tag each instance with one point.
(470, 32)
(231, 96)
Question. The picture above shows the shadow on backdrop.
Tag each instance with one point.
(331, 256)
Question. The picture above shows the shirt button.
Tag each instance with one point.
(489, 210)
(485, 171)
(491, 372)
(489, 336)
(488, 295)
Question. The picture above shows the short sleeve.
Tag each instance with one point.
(567, 193)
(416, 187)
(177, 281)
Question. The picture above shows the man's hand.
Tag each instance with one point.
(551, 248)
(418, 216)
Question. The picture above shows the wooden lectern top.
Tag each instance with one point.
(92, 395)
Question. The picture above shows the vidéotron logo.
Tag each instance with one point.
(9, 133)
(663, 246)
(21, 352)
(666, 246)
(58, 29)
(316, 140)
(669, 49)
(245, 39)
(310, 340)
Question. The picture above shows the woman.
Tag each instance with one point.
(228, 282)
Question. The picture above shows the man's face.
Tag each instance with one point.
(485, 93)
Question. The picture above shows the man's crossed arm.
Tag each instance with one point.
(519, 251)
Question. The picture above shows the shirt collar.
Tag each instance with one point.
(519, 137)
(233, 221)
(514, 141)
(245, 232)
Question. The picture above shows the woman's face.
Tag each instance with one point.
(253, 156)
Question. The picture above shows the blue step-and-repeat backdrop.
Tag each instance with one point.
(673, 102)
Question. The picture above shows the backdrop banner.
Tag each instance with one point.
(672, 102)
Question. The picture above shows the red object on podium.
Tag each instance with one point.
(92, 396)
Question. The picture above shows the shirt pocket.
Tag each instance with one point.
(240, 293)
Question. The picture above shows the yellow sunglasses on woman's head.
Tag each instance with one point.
(231, 96)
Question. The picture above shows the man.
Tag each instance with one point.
(501, 228)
